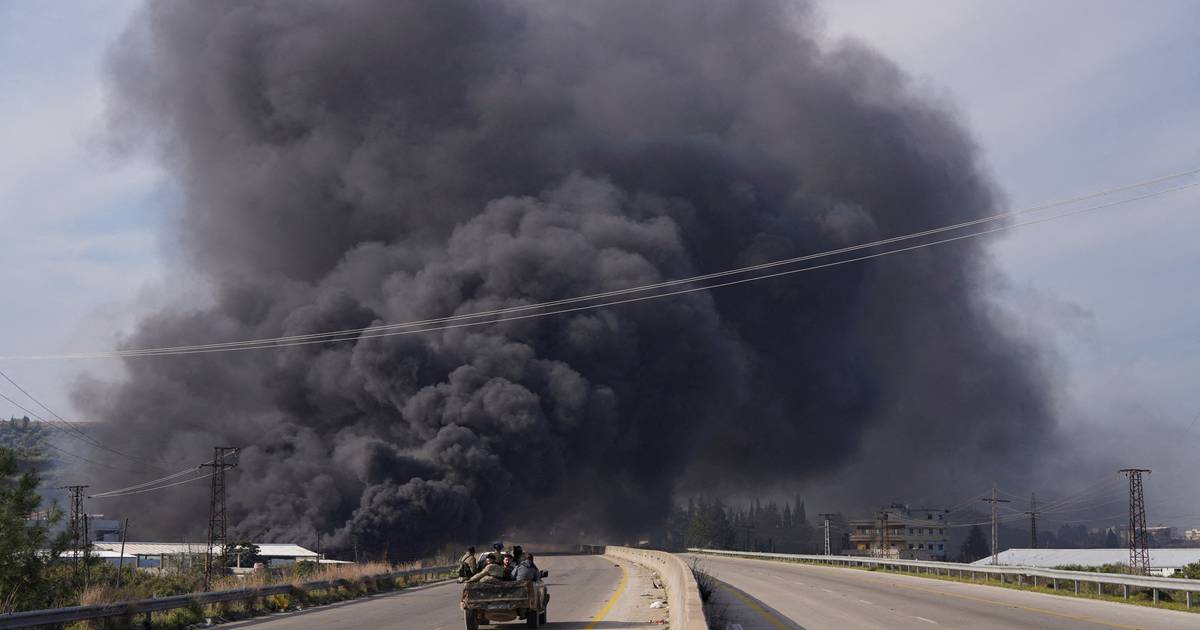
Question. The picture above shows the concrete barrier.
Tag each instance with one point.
(683, 596)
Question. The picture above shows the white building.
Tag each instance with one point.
(1163, 562)
(1192, 534)
(181, 555)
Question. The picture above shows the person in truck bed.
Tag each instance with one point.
(491, 572)
(468, 565)
(526, 570)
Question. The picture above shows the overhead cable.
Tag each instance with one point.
(170, 485)
(385, 330)
(64, 425)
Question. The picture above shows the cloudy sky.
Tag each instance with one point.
(1065, 98)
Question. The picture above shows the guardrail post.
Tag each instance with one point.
(1099, 589)
(1076, 587)
(147, 622)
(1155, 596)
(1054, 583)
(1020, 580)
(1187, 599)
(1125, 590)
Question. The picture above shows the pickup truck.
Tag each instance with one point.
(498, 602)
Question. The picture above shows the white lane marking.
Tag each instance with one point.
(866, 602)
(826, 590)
(800, 583)
(926, 620)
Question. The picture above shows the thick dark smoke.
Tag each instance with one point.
(344, 164)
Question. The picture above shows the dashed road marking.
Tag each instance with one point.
(866, 602)
(926, 620)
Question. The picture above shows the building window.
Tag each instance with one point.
(940, 547)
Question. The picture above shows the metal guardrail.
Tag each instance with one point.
(1019, 573)
(53, 616)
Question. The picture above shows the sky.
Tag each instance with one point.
(1064, 98)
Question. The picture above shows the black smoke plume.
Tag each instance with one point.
(346, 164)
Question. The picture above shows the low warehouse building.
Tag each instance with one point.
(1163, 562)
(183, 555)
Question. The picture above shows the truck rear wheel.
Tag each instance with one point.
(531, 621)
(472, 620)
(542, 616)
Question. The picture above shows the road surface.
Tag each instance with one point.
(780, 596)
(583, 595)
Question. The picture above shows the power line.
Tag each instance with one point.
(46, 442)
(385, 330)
(146, 483)
(111, 495)
(65, 425)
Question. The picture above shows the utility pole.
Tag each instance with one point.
(827, 547)
(1033, 514)
(216, 507)
(87, 549)
(993, 500)
(121, 559)
(75, 522)
(1139, 539)
(884, 542)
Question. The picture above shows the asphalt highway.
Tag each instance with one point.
(781, 596)
(583, 595)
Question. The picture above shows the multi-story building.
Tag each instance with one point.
(1192, 534)
(898, 531)
(1158, 534)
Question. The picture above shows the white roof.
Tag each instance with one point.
(158, 549)
(1050, 558)
(96, 553)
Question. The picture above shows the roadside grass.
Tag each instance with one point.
(354, 581)
(1167, 599)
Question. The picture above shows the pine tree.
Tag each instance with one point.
(26, 551)
(975, 546)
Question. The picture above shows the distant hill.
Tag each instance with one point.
(28, 438)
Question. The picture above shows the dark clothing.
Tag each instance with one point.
(526, 572)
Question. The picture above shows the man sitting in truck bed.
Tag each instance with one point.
(526, 570)
(491, 572)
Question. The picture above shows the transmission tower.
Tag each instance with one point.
(75, 522)
(828, 552)
(993, 500)
(216, 507)
(1139, 539)
(1033, 514)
